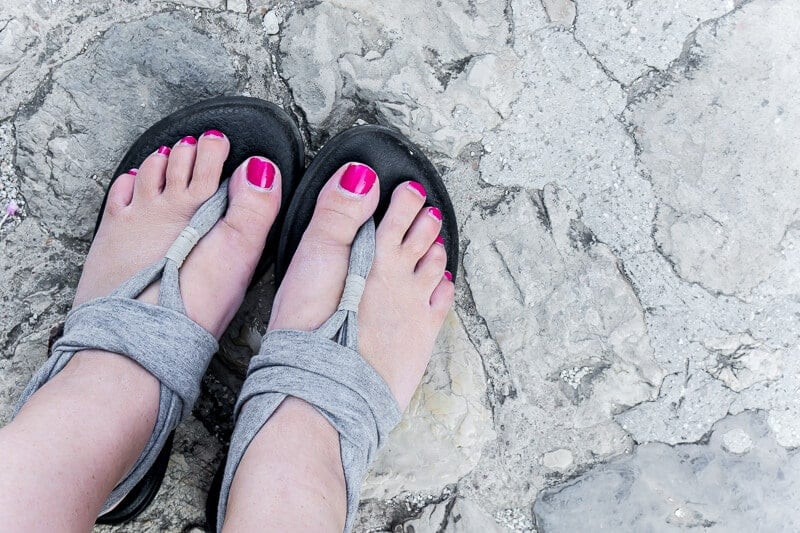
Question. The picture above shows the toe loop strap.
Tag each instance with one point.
(353, 289)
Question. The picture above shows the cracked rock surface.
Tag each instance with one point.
(624, 349)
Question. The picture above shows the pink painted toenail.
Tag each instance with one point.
(188, 140)
(164, 150)
(448, 276)
(260, 173)
(439, 240)
(435, 213)
(214, 133)
(418, 188)
(358, 179)
(133, 171)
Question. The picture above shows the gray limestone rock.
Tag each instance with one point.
(444, 84)
(447, 416)
(631, 38)
(90, 116)
(663, 488)
(725, 204)
(15, 38)
(207, 4)
(451, 516)
(533, 268)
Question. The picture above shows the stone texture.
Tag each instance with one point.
(631, 38)
(64, 140)
(571, 376)
(663, 488)
(15, 38)
(441, 435)
(624, 177)
(451, 516)
(444, 84)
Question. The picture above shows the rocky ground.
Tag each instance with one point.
(624, 350)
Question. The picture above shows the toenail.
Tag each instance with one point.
(357, 179)
(448, 276)
(418, 188)
(164, 150)
(214, 133)
(435, 213)
(439, 240)
(188, 140)
(261, 172)
(133, 171)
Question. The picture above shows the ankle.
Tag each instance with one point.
(294, 459)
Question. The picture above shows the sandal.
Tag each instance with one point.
(179, 360)
(342, 386)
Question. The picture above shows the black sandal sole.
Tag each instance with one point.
(396, 160)
(253, 127)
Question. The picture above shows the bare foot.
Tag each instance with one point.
(291, 477)
(82, 432)
(407, 293)
(149, 207)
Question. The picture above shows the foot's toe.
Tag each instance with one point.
(344, 204)
(254, 200)
(212, 150)
(152, 174)
(423, 232)
(181, 161)
(430, 269)
(407, 200)
(312, 286)
(121, 192)
(443, 296)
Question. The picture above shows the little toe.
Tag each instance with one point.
(121, 192)
(152, 174)
(180, 164)
(212, 150)
(407, 200)
(443, 296)
(430, 269)
(423, 232)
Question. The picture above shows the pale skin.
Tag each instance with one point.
(79, 435)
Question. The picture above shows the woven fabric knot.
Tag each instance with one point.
(351, 296)
(184, 244)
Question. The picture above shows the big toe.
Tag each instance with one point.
(218, 271)
(313, 284)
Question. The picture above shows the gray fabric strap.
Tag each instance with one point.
(161, 338)
(324, 369)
